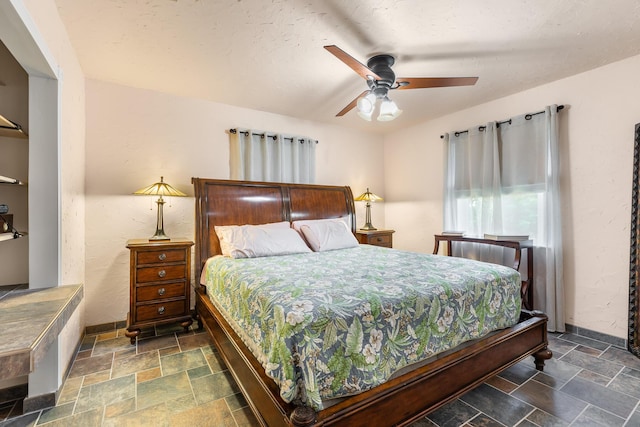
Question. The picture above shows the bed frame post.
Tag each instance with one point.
(196, 310)
(540, 357)
(303, 416)
(543, 354)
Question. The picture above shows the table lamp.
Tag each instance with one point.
(368, 197)
(160, 189)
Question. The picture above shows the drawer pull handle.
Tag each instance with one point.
(161, 309)
(162, 256)
(162, 273)
(161, 291)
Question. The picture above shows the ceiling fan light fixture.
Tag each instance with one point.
(381, 78)
(388, 110)
(365, 116)
(366, 104)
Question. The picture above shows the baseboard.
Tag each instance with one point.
(598, 336)
(105, 327)
(29, 404)
(38, 403)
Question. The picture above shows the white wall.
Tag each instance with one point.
(597, 128)
(134, 136)
(70, 138)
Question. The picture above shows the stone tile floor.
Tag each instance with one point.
(172, 378)
(169, 378)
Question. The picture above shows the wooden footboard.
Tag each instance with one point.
(400, 401)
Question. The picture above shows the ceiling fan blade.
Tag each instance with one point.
(353, 63)
(352, 104)
(427, 82)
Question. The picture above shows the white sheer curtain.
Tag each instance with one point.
(472, 188)
(503, 179)
(262, 156)
(473, 191)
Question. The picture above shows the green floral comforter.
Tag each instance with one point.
(330, 324)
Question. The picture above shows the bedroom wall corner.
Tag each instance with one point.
(597, 129)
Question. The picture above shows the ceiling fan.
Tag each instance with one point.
(381, 79)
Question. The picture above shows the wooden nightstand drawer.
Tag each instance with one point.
(155, 257)
(157, 292)
(164, 272)
(382, 240)
(161, 310)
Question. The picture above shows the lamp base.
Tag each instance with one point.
(367, 219)
(368, 227)
(159, 238)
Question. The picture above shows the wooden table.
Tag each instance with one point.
(526, 289)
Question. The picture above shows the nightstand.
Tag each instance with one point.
(382, 238)
(160, 284)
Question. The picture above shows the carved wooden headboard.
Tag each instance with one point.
(226, 202)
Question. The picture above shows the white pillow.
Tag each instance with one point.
(250, 241)
(327, 235)
(298, 224)
(228, 234)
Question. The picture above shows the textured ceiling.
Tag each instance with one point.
(269, 56)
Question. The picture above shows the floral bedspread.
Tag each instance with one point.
(330, 324)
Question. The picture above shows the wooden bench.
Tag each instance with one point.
(526, 289)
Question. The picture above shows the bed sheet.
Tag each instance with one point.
(331, 324)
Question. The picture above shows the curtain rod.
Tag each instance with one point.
(263, 135)
(526, 116)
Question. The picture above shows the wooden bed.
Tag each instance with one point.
(400, 401)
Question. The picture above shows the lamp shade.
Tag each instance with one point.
(368, 196)
(366, 105)
(159, 189)
(388, 110)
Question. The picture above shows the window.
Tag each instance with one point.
(502, 178)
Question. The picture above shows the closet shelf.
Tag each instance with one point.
(10, 236)
(11, 129)
(11, 181)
